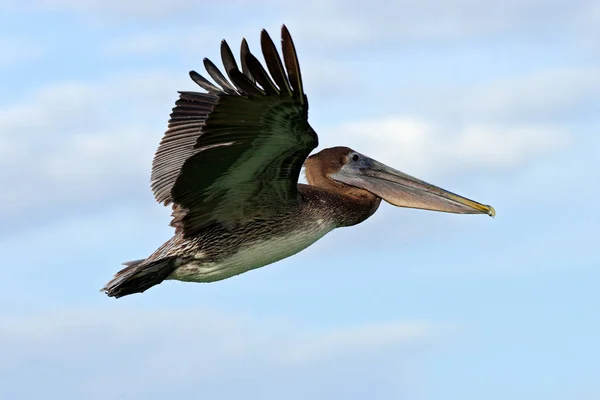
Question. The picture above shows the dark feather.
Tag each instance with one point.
(218, 77)
(228, 59)
(186, 123)
(244, 84)
(274, 64)
(204, 83)
(291, 63)
(138, 277)
(261, 76)
(234, 155)
(243, 51)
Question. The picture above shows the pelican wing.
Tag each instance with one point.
(234, 154)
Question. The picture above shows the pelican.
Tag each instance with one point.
(229, 165)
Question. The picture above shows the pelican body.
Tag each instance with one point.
(229, 165)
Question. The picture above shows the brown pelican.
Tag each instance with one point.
(229, 164)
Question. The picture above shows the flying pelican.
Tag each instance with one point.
(229, 164)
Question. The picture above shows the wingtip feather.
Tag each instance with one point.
(245, 49)
(203, 82)
(274, 64)
(292, 65)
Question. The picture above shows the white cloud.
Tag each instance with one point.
(414, 144)
(181, 41)
(140, 354)
(366, 339)
(76, 144)
(81, 172)
(543, 95)
(350, 22)
(151, 9)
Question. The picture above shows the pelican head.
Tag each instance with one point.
(337, 166)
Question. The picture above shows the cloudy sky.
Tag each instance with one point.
(495, 100)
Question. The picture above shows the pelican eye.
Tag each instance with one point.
(355, 157)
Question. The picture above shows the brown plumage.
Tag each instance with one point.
(229, 164)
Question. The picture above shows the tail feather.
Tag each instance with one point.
(138, 276)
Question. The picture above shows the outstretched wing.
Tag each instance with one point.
(234, 154)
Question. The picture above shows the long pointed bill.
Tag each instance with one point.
(403, 190)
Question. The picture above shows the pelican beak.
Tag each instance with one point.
(403, 190)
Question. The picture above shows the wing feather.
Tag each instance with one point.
(261, 75)
(228, 59)
(234, 154)
(291, 63)
(244, 50)
(217, 76)
(186, 123)
(274, 64)
(244, 84)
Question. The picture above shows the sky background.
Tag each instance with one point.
(498, 101)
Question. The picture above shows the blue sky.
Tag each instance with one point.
(498, 101)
